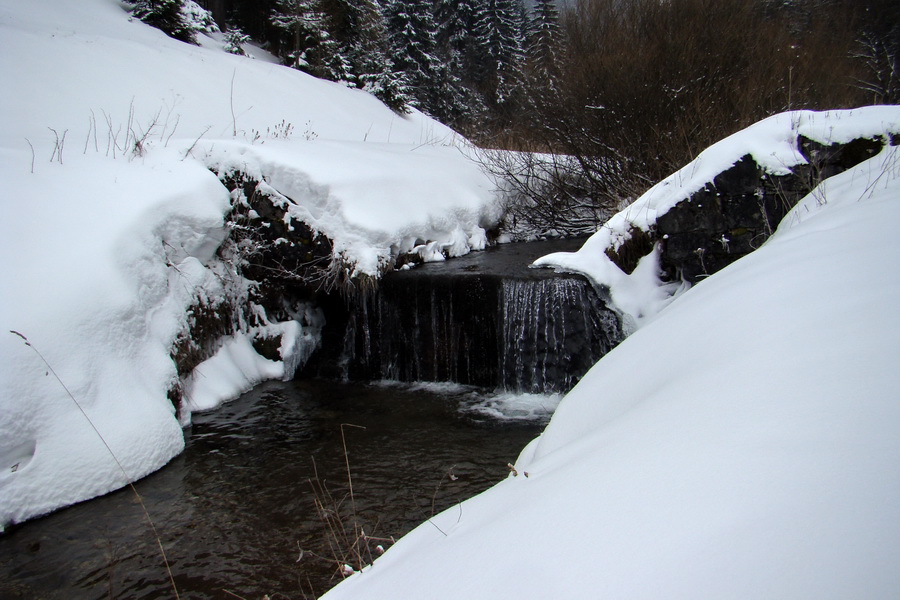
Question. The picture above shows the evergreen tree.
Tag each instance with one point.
(254, 17)
(235, 40)
(388, 85)
(307, 43)
(543, 37)
(361, 29)
(455, 21)
(499, 41)
(413, 35)
(167, 16)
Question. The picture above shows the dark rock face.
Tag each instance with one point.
(281, 254)
(207, 325)
(729, 218)
(284, 259)
(484, 320)
(531, 330)
(738, 211)
(832, 159)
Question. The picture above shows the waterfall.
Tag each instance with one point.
(553, 331)
(539, 333)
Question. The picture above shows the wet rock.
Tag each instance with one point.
(739, 209)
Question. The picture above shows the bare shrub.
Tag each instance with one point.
(642, 86)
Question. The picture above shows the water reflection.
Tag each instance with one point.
(236, 508)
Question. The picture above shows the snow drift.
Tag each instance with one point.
(744, 443)
(113, 214)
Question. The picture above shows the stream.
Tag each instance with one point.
(237, 509)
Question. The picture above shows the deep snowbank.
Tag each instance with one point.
(373, 200)
(112, 219)
(743, 444)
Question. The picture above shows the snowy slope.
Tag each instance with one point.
(111, 223)
(743, 444)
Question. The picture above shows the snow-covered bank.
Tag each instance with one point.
(773, 144)
(112, 219)
(745, 443)
(373, 200)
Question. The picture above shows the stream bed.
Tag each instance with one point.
(237, 509)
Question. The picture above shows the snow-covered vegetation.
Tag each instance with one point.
(744, 443)
(112, 138)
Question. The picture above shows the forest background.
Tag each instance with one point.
(602, 97)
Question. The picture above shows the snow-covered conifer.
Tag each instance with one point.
(455, 20)
(413, 35)
(388, 85)
(543, 35)
(235, 40)
(308, 44)
(359, 27)
(499, 40)
(167, 16)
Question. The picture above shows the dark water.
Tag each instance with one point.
(510, 261)
(237, 507)
(484, 319)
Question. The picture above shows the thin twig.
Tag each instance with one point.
(447, 475)
(59, 145)
(94, 122)
(350, 480)
(121, 467)
(128, 124)
(177, 120)
(188, 151)
(32, 154)
(231, 100)
(88, 138)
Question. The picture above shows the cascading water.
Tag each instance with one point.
(426, 329)
(484, 320)
(552, 331)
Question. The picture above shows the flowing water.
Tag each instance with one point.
(484, 319)
(237, 508)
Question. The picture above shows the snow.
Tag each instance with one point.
(364, 196)
(488, 405)
(233, 370)
(771, 142)
(506, 406)
(744, 443)
(112, 221)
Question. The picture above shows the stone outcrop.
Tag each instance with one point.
(738, 210)
(271, 267)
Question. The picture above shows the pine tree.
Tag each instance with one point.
(544, 37)
(308, 44)
(455, 21)
(413, 35)
(254, 17)
(388, 85)
(235, 40)
(499, 41)
(167, 16)
(413, 39)
(363, 33)
(541, 90)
